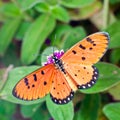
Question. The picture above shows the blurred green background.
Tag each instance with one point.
(29, 29)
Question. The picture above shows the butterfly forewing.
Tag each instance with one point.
(35, 85)
(88, 51)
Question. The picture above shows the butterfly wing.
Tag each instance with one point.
(79, 60)
(35, 85)
(61, 92)
(83, 75)
(89, 50)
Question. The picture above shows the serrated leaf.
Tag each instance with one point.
(14, 76)
(112, 111)
(109, 76)
(7, 32)
(89, 108)
(60, 112)
(60, 13)
(76, 3)
(35, 37)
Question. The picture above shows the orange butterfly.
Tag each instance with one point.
(64, 73)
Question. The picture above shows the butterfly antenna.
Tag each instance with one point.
(53, 44)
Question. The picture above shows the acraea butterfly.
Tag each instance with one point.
(64, 73)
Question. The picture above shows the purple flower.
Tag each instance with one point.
(56, 53)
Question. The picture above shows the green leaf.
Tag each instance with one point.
(11, 57)
(9, 10)
(115, 92)
(89, 109)
(7, 110)
(115, 56)
(114, 1)
(28, 4)
(42, 7)
(112, 111)
(113, 30)
(52, 2)
(73, 36)
(58, 33)
(76, 3)
(35, 37)
(28, 111)
(60, 112)
(14, 76)
(85, 12)
(7, 32)
(22, 30)
(2, 73)
(60, 13)
(41, 114)
(108, 77)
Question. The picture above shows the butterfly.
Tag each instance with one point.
(65, 73)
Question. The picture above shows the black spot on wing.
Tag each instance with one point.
(74, 52)
(82, 47)
(42, 72)
(45, 83)
(89, 40)
(26, 81)
(94, 44)
(83, 58)
(90, 48)
(28, 87)
(75, 74)
(35, 77)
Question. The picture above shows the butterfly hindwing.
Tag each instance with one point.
(89, 50)
(35, 85)
(85, 76)
(61, 92)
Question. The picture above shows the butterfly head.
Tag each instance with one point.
(56, 55)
